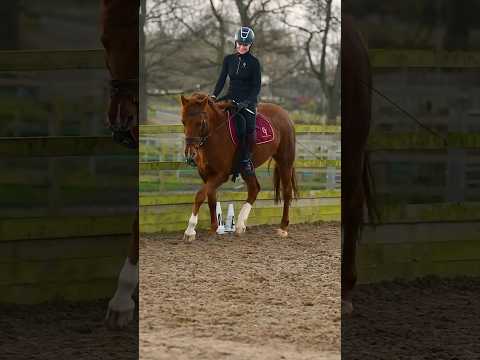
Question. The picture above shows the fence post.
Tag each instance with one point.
(331, 170)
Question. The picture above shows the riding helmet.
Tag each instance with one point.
(245, 35)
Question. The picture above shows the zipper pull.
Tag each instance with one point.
(239, 61)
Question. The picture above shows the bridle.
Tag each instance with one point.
(128, 87)
(201, 140)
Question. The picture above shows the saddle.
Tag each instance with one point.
(263, 134)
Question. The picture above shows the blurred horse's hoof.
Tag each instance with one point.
(188, 238)
(282, 233)
(212, 234)
(239, 230)
(347, 307)
(119, 317)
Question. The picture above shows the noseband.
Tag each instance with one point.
(125, 136)
(127, 87)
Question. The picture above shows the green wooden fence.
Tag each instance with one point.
(45, 254)
(439, 237)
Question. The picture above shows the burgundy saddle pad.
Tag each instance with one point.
(263, 129)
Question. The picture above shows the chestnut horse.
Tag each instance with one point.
(119, 27)
(209, 144)
(356, 185)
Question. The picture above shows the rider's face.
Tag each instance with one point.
(242, 49)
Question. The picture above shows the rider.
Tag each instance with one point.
(244, 72)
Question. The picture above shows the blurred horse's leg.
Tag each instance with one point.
(119, 36)
(121, 306)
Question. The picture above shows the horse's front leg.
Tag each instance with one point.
(190, 232)
(208, 189)
(212, 205)
(253, 190)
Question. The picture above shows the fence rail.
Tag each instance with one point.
(52, 60)
(148, 130)
(101, 145)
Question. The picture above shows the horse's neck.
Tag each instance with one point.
(218, 131)
(119, 26)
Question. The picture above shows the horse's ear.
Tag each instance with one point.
(184, 100)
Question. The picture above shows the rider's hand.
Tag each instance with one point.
(213, 97)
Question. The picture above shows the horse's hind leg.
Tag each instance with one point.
(286, 174)
(253, 189)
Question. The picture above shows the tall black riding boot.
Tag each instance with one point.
(248, 167)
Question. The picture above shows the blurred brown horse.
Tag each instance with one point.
(208, 143)
(356, 181)
(119, 27)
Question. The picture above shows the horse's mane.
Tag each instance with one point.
(218, 107)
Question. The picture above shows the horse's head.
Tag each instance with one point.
(123, 108)
(195, 124)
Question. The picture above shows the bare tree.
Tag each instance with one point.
(189, 39)
(322, 51)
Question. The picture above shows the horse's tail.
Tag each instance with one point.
(276, 184)
(369, 190)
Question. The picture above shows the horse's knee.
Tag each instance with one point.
(257, 186)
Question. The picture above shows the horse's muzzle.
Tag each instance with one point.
(190, 161)
(190, 155)
(126, 138)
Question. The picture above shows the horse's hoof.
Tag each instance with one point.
(212, 235)
(347, 307)
(239, 230)
(119, 317)
(189, 238)
(282, 233)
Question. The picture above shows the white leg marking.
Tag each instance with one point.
(190, 232)
(282, 233)
(242, 218)
(121, 306)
